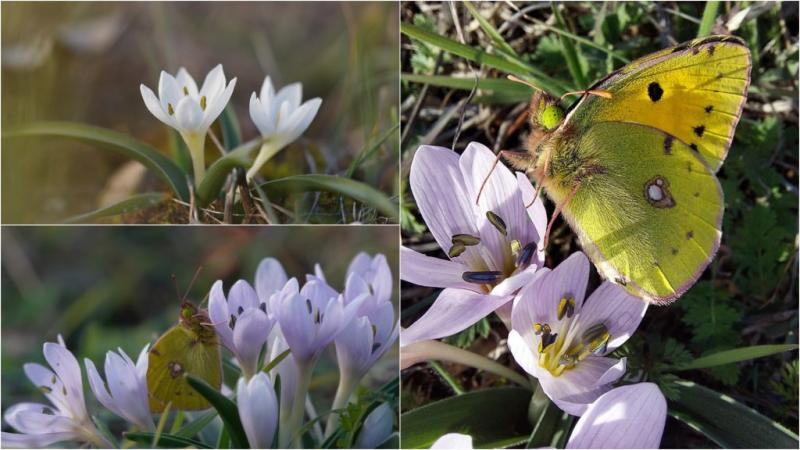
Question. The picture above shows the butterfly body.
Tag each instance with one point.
(190, 347)
(633, 170)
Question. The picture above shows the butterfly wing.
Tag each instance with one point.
(695, 92)
(649, 216)
(177, 352)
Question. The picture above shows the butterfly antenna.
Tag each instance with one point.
(559, 207)
(597, 92)
(485, 180)
(175, 283)
(191, 283)
(526, 83)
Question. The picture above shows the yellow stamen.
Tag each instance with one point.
(169, 109)
(203, 102)
(185, 90)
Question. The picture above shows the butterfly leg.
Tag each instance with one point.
(557, 211)
(518, 160)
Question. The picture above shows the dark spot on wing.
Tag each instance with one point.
(699, 130)
(689, 234)
(674, 251)
(654, 91)
(711, 50)
(693, 146)
(668, 145)
(689, 166)
(720, 76)
(155, 351)
(695, 51)
(697, 194)
(709, 108)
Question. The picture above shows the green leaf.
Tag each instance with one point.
(493, 34)
(504, 64)
(218, 172)
(735, 355)
(707, 22)
(231, 134)
(727, 422)
(134, 203)
(340, 185)
(165, 440)
(571, 53)
(367, 152)
(489, 416)
(504, 88)
(226, 408)
(192, 428)
(114, 141)
(277, 360)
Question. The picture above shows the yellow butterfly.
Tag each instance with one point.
(190, 347)
(631, 165)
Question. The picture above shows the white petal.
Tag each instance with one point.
(154, 106)
(68, 370)
(185, 80)
(99, 387)
(292, 93)
(575, 389)
(270, 278)
(214, 106)
(523, 354)
(258, 409)
(626, 417)
(267, 93)
(249, 336)
(453, 441)
(16, 440)
(354, 348)
(214, 83)
(242, 297)
(611, 305)
(169, 93)
(302, 117)
(260, 115)
(425, 270)
(377, 427)
(189, 115)
(220, 314)
(297, 325)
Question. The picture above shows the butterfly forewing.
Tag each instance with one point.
(695, 92)
(650, 217)
(178, 352)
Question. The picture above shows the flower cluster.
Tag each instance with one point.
(488, 223)
(277, 324)
(280, 117)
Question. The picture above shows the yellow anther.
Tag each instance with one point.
(566, 307)
(203, 102)
(169, 109)
(185, 90)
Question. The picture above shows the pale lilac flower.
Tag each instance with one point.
(630, 416)
(258, 409)
(493, 246)
(280, 118)
(242, 323)
(188, 110)
(453, 441)
(377, 427)
(270, 278)
(562, 340)
(126, 395)
(375, 272)
(41, 425)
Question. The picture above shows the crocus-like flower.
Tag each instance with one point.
(492, 245)
(191, 112)
(241, 322)
(280, 118)
(453, 441)
(562, 340)
(258, 409)
(41, 425)
(625, 417)
(377, 427)
(126, 395)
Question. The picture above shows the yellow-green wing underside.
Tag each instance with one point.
(651, 219)
(695, 92)
(177, 352)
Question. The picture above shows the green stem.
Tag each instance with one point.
(196, 143)
(347, 385)
(288, 438)
(707, 22)
(267, 151)
(449, 379)
(435, 350)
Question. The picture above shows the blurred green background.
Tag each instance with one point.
(109, 287)
(84, 62)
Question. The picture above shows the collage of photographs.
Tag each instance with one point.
(399, 224)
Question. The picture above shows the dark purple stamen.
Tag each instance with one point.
(481, 277)
(526, 255)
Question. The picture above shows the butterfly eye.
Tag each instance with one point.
(551, 117)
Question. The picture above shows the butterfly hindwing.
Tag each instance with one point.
(695, 92)
(650, 215)
(180, 351)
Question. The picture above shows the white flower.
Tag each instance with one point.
(280, 118)
(377, 427)
(191, 112)
(241, 322)
(562, 340)
(41, 425)
(454, 441)
(376, 273)
(258, 409)
(127, 394)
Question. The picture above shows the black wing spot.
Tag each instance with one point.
(695, 51)
(720, 76)
(699, 130)
(689, 234)
(689, 166)
(654, 91)
(668, 145)
(697, 194)
(709, 108)
(674, 251)
(711, 50)
(693, 146)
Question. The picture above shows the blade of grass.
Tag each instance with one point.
(498, 85)
(276, 361)
(367, 152)
(457, 389)
(114, 141)
(165, 440)
(134, 203)
(490, 30)
(192, 428)
(340, 185)
(498, 62)
(709, 15)
(583, 41)
(571, 53)
(735, 355)
(226, 408)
